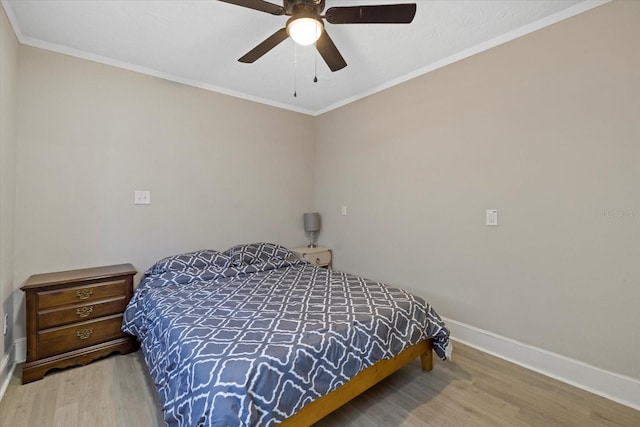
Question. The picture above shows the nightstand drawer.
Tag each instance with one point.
(318, 256)
(80, 294)
(79, 335)
(80, 312)
(320, 259)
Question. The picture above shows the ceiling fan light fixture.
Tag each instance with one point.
(304, 30)
(306, 24)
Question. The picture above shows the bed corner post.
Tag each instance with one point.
(426, 358)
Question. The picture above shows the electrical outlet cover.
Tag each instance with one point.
(142, 197)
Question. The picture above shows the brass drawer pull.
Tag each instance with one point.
(84, 311)
(317, 260)
(85, 333)
(84, 293)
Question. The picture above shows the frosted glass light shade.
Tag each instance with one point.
(304, 31)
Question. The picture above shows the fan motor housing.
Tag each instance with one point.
(307, 7)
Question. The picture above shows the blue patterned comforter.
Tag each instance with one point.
(250, 345)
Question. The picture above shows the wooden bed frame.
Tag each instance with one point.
(367, 378)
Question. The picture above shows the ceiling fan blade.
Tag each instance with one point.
(376, 14)
(262, 6)
(272, 41)
(330, 52)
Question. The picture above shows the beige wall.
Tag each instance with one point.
(8, 73)
(546, 129)
(221, 171)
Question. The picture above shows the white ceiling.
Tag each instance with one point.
(199, 42)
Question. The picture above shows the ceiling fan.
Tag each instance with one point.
(306, 27)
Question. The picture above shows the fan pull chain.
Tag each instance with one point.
(295, 71)
(315, 65)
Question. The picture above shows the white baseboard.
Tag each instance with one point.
(7, 366)
(616, 387)
(17, 354)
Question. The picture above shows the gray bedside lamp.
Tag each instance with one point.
(312, 226)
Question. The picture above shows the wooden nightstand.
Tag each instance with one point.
(320, 257)
(74, 317)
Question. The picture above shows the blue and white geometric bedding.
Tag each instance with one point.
(248, 337)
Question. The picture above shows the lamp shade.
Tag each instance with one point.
(312, 221)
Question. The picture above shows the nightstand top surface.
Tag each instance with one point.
(307, 250)
(78, 275)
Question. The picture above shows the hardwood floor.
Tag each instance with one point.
(474, 390)
(115, 391)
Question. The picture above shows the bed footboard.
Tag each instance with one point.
(367, 378)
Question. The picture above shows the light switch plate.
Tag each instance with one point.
(142, 197)
(492, 216)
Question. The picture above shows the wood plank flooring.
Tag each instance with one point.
(476, 389)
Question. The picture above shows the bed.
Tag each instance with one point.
(254, 337)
